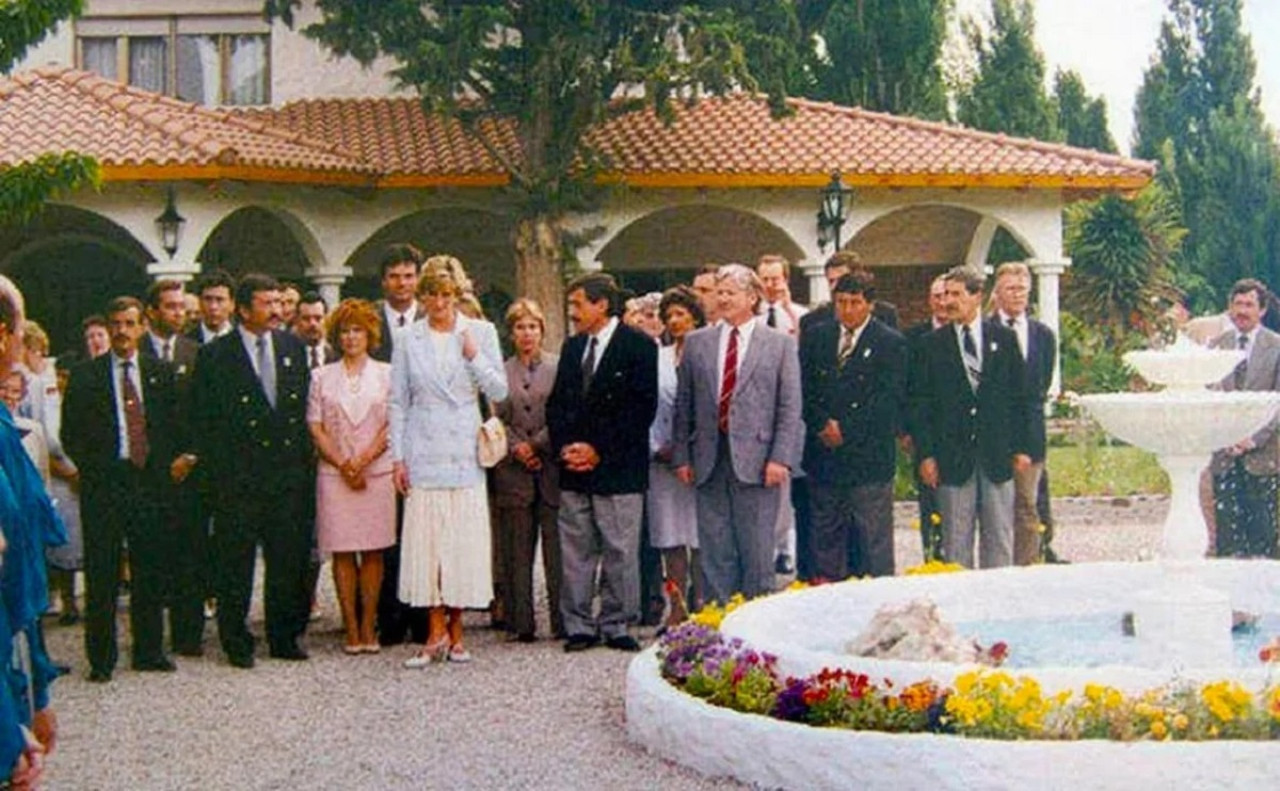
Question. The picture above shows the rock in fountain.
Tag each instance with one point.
(1181, 623)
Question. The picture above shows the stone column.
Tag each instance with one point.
(329, 283)
(1047, 274)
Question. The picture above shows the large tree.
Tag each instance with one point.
(26, 186)
(1082, 119)
(554, 69)
(883, 55)
(1007, 94)
(1199, 102)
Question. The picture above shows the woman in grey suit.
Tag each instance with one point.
(526, 490)
(438, 369)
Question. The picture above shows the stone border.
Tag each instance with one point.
(773, 754)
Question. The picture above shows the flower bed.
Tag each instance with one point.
(980, 703)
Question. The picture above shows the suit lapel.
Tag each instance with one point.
(759, 339)
(247, 372)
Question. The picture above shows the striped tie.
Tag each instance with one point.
(972, 364)
(729, 380)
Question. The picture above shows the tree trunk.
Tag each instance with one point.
(538, 272)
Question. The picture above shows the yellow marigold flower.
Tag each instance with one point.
(1180, 722)
(965, 682)
(935, 518)
(797, 585)
(1158, 729)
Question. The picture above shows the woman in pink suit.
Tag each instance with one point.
(355, 497)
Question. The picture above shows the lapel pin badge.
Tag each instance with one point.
(866, 352)
(288, 362)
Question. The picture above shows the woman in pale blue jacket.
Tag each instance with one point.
(438, 369)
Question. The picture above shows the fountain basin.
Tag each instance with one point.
(1185, 366)
(1184, 422)
(807, 630)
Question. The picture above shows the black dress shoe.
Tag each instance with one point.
(242, 661)
(622, 642)
(290, 653)
(99, 676)
(580, 642)
(158, 665)
(783, 565)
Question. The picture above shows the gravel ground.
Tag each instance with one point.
(520, 716)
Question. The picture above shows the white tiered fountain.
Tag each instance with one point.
(1182, 611)
(1181, 623)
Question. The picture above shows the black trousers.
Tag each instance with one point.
(397, 620)
(1245, 508)
(187, 573)
(123, 504)
(278, 525)
(852, 521)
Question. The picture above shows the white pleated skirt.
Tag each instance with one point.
(445, 558)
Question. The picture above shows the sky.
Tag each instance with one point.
(1111, 42)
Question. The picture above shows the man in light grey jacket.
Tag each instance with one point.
(1245, 475)
(738, 435)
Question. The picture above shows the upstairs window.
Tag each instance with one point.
(206, 60)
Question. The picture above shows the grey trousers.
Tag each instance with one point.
(852, 517)
(600, 532)
(977, 501)
(736, 537)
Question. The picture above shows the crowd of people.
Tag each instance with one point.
(680, 447)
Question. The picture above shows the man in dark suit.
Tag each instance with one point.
(398, 308)
(308, 325)
(119, 422)
(930, 517)
(737, 436)
(1039, 349)
(1246, 475)
(841, 263)
(215, 290)
(853, 375)
(250, 399)
(598, 414)
(187, 535)
(971, 420)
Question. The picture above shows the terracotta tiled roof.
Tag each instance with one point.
(149, 135)
(391, 142)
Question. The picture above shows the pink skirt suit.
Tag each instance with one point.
(352, 412)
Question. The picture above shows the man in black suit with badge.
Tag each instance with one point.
(250, 399)
(853, 375)
(971, 408)
(119, 421)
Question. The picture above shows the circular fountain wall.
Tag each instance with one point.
(807, 631)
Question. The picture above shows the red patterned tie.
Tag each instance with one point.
(135, 424)
(729, 380)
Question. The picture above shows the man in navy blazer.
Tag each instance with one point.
(598, 414)
(737, 435)
(250, 398)
(971, 416)
(119, 423)
(1039, 348)
(854, 384)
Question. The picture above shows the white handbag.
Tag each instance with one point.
(491, 442)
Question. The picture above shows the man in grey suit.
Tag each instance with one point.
(738, 435)
(1245, 475)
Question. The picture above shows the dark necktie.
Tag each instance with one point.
(972, 365)
(1013, 323)
(1242, 343)
(589, 366)
(401, 322)
(135, 423)
(266, 371)
(168, 350)
(772, 321)
(846, 346)
(728, 381)
(315, 356)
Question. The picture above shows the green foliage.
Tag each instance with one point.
(24, 23)
(1082, 119)
(1198, 110)
(1093, 468)
(1122, 253)
(884, 55)
(25, 188)
(1008, 95)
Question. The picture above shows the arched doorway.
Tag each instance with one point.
(668, 246)
(254, 239)
(907, 248)
(69, 263)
